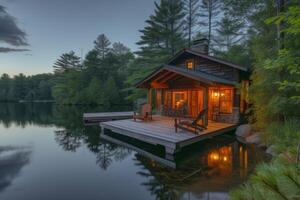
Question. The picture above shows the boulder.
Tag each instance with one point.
(270, 150)
(243, 131)
(253, 139)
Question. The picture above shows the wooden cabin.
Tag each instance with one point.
(194, 80)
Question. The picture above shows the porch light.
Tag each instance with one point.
(215, 156)
(216, 94)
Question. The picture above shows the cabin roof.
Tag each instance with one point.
(192, 74)
(204, 56)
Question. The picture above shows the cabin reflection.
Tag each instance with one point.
(207, 171)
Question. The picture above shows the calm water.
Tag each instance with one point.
(46, 153)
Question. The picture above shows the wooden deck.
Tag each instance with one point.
(90, 118)
(161, 131)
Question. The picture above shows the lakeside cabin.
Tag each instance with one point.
(191, 82)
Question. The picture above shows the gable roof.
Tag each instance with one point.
(192, 74)
(211, 58)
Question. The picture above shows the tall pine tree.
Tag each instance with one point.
(210, 10)
(162, 37)
(229, 32)
(191, 8)
(66, 62)
(102, 45)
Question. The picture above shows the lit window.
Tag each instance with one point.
(190, 64)
(225, 100)
(179, 99)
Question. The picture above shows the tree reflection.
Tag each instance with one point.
(68, 140)
(109, 152)
(71, 133)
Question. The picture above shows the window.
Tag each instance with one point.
(226, 100)
(179, 99)
(190, 64)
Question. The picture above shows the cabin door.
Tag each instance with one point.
(196, 102)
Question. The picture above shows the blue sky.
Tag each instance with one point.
(57, 26)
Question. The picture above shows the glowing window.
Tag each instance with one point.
(190, 64)
(226, 100)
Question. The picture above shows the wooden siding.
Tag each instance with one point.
(209, 67)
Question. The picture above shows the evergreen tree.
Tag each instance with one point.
(210, 10)
(162, 37)
(66, 62)
(229, 32)
(119, 49)
(191, 8)
(5, 82)
(102, 46)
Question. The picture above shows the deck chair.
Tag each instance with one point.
(144, 114)
(194, 125)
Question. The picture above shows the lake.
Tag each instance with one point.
(47, 153)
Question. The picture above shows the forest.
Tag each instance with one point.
(263, 35)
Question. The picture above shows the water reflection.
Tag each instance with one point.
(12, 160)
(206, 173)
(208, 170)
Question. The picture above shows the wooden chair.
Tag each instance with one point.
(144, 114)
(191, 125)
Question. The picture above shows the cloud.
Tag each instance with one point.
(10, 33)
(8, 50)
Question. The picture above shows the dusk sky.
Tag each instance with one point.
(54, 27)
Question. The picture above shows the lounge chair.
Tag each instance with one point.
(191, 125)
(144, 114)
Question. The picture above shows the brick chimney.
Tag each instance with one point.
(200, 45)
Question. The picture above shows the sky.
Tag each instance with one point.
(34, 33)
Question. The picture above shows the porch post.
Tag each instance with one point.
(149, 96)
(205, 105)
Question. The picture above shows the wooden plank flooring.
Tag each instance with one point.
(161, 131)
(106, 116)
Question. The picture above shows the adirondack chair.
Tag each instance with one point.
(144, 114)
(194, 125)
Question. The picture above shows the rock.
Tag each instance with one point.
(243, 131)
(270, 150)
(253, 139)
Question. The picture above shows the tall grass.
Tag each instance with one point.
(273, 181)
(285, 136)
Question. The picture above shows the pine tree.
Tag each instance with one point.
(66, 62)
(119, 49)
(102, 45)
(191, 8)
(163, 35)
(229, 32)
(210, 10)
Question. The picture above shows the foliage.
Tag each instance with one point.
(276, 180)
(66, 62)
(275, 95)
(162, 37)
(283, 136)
(102, 46)
(30, 88)
(100, 81)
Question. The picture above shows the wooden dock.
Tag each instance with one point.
(161, 131)
(92, 118)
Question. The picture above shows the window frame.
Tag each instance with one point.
(229, 100)
(187, 64)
